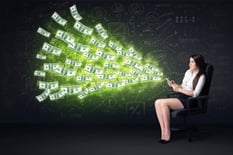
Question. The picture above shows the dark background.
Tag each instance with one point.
(154, 26)
(170, 30)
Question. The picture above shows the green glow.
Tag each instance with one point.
(91, 62)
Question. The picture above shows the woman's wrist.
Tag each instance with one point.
(180, 89)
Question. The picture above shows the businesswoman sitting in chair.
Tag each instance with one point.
(192, 84)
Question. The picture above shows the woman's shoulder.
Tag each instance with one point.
(202, 75)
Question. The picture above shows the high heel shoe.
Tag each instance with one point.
(162, 141)
(165, 141)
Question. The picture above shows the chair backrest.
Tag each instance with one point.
(209, 69)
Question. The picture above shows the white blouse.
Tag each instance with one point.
(187, 82)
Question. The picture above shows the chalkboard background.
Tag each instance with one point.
(170, 31)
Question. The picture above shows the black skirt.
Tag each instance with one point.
(183, 99)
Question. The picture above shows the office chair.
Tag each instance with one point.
(195, 106)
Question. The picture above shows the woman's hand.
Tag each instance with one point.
(170, 82)
(176, 88)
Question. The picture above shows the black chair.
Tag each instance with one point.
(195, 106)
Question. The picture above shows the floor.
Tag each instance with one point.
(28, 139)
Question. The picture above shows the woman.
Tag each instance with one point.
(192, 84)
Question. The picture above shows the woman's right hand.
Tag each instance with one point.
(171, 83)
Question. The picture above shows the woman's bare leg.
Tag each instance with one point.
(160, 116)
(163, 107)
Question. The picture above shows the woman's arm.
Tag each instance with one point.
(200, 85)
(193, 93)
(179, 89)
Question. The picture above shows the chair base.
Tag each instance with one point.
(188, 131)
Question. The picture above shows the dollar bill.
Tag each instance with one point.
(73, 63)
(51, 49)
(79, 47)
(149, 66)
(90, 56)
(148, 78)
(75, 89)
(128, 62)
(43, 32)
(71, 72)
(92, 69)
(83, 94)
(133, 53)
(98, 71)
(124, 74)
(40, 56)
(82, 28)
(105, 55)
(122, 53)
(134, 64)
(97, 43)
(50, 66)
(150, 69)
(138, 57)
(60, 70)
(43, 96)
(48, 85)
(57, 95)
(64, 36)
(65, 71)
(114, 46)
(138, 66)
(115, 84)
(83, 78)
(74, 13)
(159, 73)
(135, 73)
(57, 18)
(96, 87)
(111, 65)
(106, 76)
(158, 79)
(101, 31)
(147, 71)
(133, 80)
(39, 73)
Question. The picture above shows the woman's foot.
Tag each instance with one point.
(167, 137)
(165, 141)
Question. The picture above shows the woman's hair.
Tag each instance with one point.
(200, 62)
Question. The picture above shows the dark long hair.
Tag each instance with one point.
(200, 62)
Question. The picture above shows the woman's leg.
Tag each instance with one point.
(163, 107)
(159, 116)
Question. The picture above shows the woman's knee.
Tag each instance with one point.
(158, 103)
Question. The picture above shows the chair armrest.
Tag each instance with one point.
(201, 102)
(198, 98)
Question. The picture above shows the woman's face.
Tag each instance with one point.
(192, 64)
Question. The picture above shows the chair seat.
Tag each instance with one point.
(186, 112)
(179, 113)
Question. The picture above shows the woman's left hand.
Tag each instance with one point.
(176, 87)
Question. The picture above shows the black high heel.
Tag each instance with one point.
(165, 141)
(160, 141)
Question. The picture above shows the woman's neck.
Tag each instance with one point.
(195, 71)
